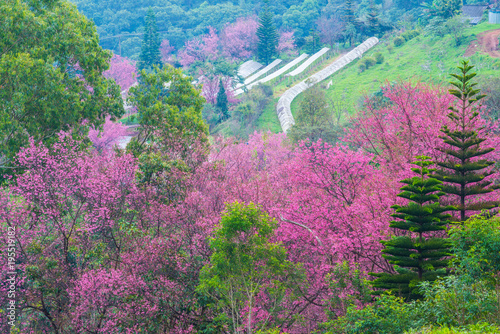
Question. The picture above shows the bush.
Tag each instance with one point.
(369, 61)
(480, 328)
(388, 314)
(379, 58)
(410, 34)
(453, 302)
(476, 246)
(362, 66)
(398, 41)
(448, 302)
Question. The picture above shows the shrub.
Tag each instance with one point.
(479, 328)
(410, 34)
(476, 246)
(398, 41)
(453, 302)
(388, 314)
(362, 66)
(370, 61)
(379, 58)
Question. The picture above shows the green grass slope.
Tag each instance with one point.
(425, 58)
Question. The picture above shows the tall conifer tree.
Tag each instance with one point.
(268, 37)
(222, 102)
(419, 254)
(372, 20)
(349, 16)
(462, 173)
(150, 50)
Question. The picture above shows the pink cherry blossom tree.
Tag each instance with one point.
(211, 88)
(109, 136)
(239, 39)
(201, 48)
(166, 50)
(123, 70)
(286, 42)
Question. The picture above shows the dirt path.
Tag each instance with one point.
(486, 42)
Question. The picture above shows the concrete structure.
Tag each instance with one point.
(494, 16)
(283, 107)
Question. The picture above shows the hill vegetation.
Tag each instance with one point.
(379, 219)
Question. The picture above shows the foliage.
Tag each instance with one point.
(150, 49)
(451, 302)
(456, 26)
(446, 8)
(410, 34)
(123, 71)
(348, 287)
(476, 246)
(245, 264)
(51, 75)
(267, 35)
(463, 173)
(239, 39)
(172, 136)
(419, 254)
(108, 137)
(222, 103)
(379, 58)
(387, 315)
(314, 120)
(478, 328)
(368, 62)
(398, 41)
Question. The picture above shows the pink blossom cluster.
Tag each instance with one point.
(123, 71)
(101, 250)
(211, 88)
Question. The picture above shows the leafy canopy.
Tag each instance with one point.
(51, 68)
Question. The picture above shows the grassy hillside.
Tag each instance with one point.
(425, 58)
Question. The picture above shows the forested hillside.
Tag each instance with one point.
(140, 191)
(179, 21)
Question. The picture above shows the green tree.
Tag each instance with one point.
(419, 255)
(222, 102)
(150, 49)
(464, 176)
(172, 134)
(51, 78)
(314, 120)
(267, 35)
(446, 8)
(476, 246)
(349, 13)
(372, 19)
(244, 263)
